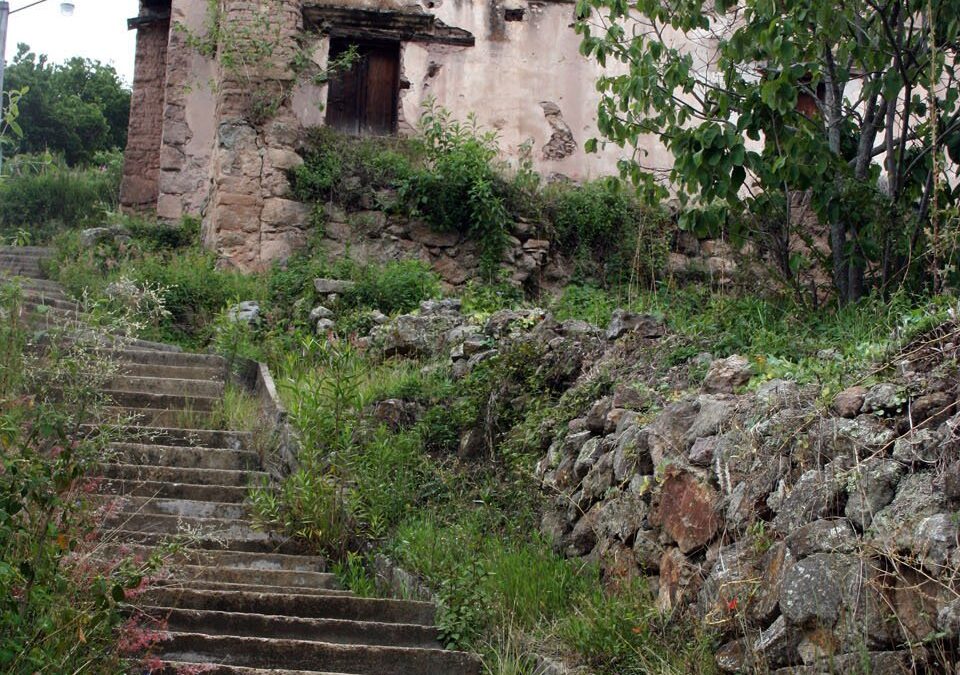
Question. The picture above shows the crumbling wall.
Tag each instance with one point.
(250, 219)
(141, 162)
(188, 117)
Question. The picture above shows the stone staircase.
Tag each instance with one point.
(239, 600)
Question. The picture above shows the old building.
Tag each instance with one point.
(223, 93)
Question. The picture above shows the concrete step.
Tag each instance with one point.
(303, 606)
(211, 541)
(59, 301)
(178, 474)
(235, 529)
(204, 585)
(191, 508)
(160, 401)
(337, 631)
(167, 358)
(207, 438)
(274, 578)
(192, 373)
(168, 386)
(193, 457)
(312, 567)
(40, 285)
(181, 667)
(167, 490)
(42, 251)
(298, 654)
(152, 417)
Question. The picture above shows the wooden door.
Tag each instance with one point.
(363, 100)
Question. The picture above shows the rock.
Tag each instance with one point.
(849, 401)
(822, 536)
(934, 541)
(647, 551)
(701, 454)
(577, 328)
(472, 444)
(881, 398)
(727, 375)
(599, 479)
(396, 413)
(247, 311)
(834, 437)
(816, 588)
(597, 417)
(320, 312)
(575, 441)
(873, 486)
(327, 286)
(325, 326)
(817, 494)
(951, 481)
(935, 407)
(727, 590)
(506, 320)
(894, 527)
(614, 419)
(687, 510)
(714, 414)
(622, 516)
(679, 580)
(628, 398)
(587, 457)
(918, 447)
(778, 393)
(667, 434)
(948, 619)
(447, 305)
(584, 535)
(777, 644)
(378, 318)
(874, 663)
(631, 454)
(100, 235)
(415, 335)
(554, 526)
(645, 325)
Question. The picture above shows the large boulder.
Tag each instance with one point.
(687, 510)
(727, 375)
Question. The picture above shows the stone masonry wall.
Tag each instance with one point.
(141, 167)
(249, 220)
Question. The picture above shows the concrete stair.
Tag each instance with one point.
(237, 600)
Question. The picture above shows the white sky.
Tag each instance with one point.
(97, 30)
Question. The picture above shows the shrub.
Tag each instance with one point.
(347, 170)
(46, 193)
(613, 238)
(397, 286)
(459, 188)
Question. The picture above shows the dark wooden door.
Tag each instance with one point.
(363, 100)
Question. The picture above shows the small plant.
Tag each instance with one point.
(459, 189)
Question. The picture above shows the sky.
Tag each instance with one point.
(97, 30)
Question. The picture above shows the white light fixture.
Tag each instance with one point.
(66, 8)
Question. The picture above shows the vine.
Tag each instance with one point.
(247, 49)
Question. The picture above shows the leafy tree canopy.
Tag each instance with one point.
(809, 97)
(76, 108)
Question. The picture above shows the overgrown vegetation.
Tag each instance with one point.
(41, 195)
(59, 596)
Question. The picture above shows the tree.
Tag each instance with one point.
(742, 138)
(76, 108)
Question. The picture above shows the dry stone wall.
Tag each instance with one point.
(808, 538)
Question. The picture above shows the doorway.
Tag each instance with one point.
(363, 100)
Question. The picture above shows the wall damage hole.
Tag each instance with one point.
(513, 14)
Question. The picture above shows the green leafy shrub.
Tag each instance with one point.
(613, 237)
(45, 193)
(459, 188)
(346, 170)
(397, 286)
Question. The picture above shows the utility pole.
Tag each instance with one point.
(4, 16)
